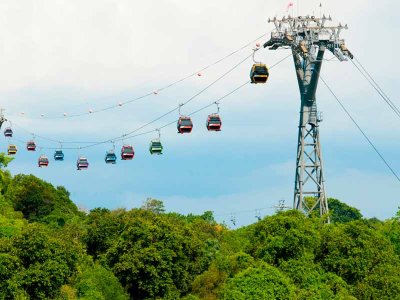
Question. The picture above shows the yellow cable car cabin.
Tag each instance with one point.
(12, 149)
(259, 73)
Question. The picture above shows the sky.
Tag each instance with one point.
(72, 56)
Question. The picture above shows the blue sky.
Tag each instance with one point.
(65, 56)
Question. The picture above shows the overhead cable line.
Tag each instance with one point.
(364, 72)
(127, 135)
(66, 116)
(132, 133)
(149, 123)
(361, 130)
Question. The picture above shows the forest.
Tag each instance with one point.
(49, 249)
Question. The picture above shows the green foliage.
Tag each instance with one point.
(96, 282)
(155, 257)
(352, 250)
(103, 229)
(208, 284)
(50, 250)
(287, 235)
(5, 160)
(341, 212)
(263, 282)
(312, 281)
(38, 200)
(153, 205)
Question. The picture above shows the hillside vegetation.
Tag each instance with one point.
(51, 250)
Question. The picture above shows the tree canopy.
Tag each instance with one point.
(51, 250)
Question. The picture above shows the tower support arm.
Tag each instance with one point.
(312, 89)
(299, 70)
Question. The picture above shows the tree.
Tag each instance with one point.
(153, 205)
(353, 250)
(47, 261)
(287, 235)
(312, 282)
(341, 212)
(96, 282)
(5, 160)
(37, 199)
(263, 282)
(208, 284)
(155, 256)
(103, 229)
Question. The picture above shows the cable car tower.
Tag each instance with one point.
(308, 37)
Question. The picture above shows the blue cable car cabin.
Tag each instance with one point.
(110, 157)
(8, 132)
(58, 155)
(156, 147)
(259, 73)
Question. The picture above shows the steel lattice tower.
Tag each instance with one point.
(308, 38)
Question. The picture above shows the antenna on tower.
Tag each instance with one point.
(320, 10)
(281, 206)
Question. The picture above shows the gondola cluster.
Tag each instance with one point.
(259, 74)
(184, 125)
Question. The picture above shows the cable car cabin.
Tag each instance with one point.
(12, 150)
(259, 73)
(110, 157)
(58, 155)
(214, 122)
(185, 125)
(43, 161)
(156, 147)
(127, 152)
(8, 132)
(82, 163)
(31, 146)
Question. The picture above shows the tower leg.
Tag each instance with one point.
(309, 193)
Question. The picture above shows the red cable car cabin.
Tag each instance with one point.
(43, 161)
(185, 125)
(214, 122)
(82, 163)
(127, 152)
(31, 146)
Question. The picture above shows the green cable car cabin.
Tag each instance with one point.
(156, 147)
(259, 73)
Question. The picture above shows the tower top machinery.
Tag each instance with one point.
(308, 37)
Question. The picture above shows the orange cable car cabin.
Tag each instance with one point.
(12, 149)
(259, 73)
